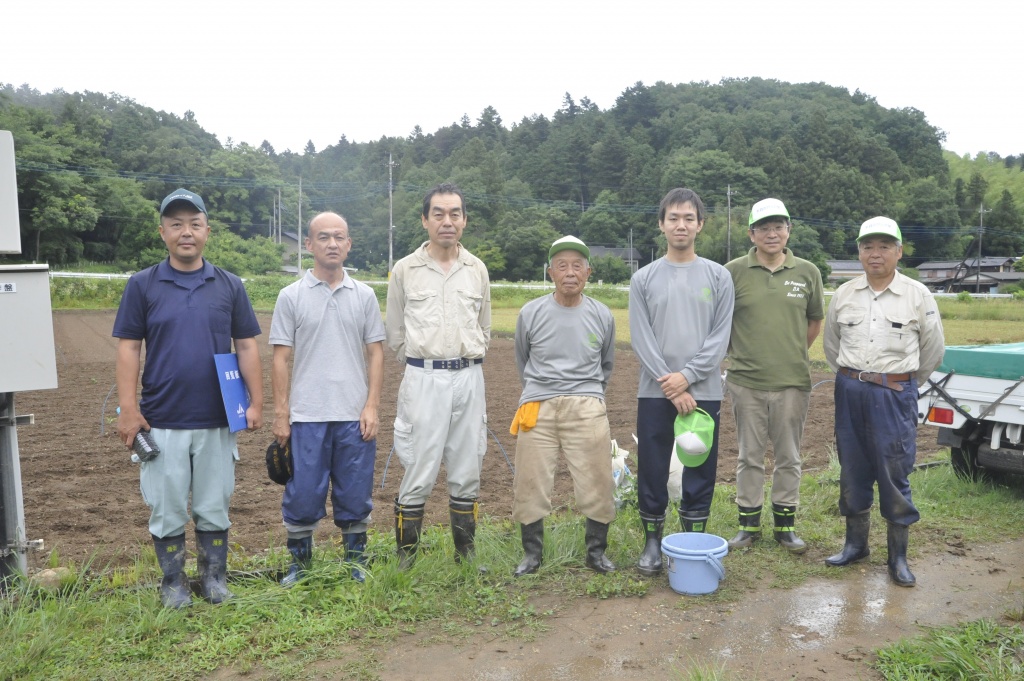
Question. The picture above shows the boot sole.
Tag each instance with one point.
(650, 572)
(849, 562)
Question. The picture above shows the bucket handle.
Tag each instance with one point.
(715, 563)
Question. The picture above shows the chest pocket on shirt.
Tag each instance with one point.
(422, 309)
(853, 329)
(469, 304)
(220, 320)
(902, 336)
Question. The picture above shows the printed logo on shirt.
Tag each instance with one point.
(593, 341)
(706, 296)
(798, 289)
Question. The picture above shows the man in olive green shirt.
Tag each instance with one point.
(778, 315)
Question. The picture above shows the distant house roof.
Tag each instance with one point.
(939, 265)
(991, 261)
(845, 266)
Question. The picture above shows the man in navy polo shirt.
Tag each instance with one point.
(186, 310)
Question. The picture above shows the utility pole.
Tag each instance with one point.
(391, 213)
(632, 260)
(981, 237)
(728, 234)
(298, 234)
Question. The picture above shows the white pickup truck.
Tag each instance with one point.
(976, 398)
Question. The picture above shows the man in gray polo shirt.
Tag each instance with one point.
(565, 349)
(333, 326)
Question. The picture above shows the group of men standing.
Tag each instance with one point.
(686, 314)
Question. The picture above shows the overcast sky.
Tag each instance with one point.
(298, 70)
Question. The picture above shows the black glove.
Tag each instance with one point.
(279, 462)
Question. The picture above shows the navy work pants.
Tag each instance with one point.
(330, 453)
(655, 419)
(876, 431)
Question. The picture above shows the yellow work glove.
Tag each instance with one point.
(525, 418)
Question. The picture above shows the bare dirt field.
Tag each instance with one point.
(82, 498)
(82, 494)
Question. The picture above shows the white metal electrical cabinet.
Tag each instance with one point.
(27, 353)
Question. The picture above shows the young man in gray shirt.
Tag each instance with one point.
(565, 349)
(680, 313)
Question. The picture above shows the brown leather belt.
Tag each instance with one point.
(891, 381)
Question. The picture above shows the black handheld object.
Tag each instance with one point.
(279, 462)
(144, 446)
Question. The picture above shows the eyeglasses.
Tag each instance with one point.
(764, 229)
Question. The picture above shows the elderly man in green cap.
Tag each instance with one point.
(777, 316)
(565, 349)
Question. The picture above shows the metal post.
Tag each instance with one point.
(391, 213)
(13, 546)
(728, 233)
(298, 237)
(981, 237)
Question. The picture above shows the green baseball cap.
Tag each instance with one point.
(880, 226)
(569, 243)
(767, 208)
(695, 433)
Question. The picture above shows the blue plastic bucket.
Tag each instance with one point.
(694, 562)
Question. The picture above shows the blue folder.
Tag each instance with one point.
(232, 390)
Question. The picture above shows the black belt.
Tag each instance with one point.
(891, 381)
(449, 364)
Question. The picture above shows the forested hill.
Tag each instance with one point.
(91, 168)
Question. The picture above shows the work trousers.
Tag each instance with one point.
(876, 431)
(578, 427)
(442, 417)
(763, 416)
(329, 454)
(655, 421)
(198, 461)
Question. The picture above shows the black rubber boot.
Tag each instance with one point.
(693, 521)
(750, 528)
(462, 513)
(213, 565)
(170, 554)
(899, 571)
(856, 547)
(650, 563)
(597, 541)
(302, 556)
(408, 525)
(355, 548)
(785, 529)
(533, 548)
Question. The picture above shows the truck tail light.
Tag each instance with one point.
(940, 415)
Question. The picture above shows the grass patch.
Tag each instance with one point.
(976, 650)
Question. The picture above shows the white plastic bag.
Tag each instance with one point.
(624, 481)
(675, 474)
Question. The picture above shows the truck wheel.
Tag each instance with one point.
(964, 460)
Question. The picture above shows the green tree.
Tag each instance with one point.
(610, 269)
(929, 220)
(1004, 228)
